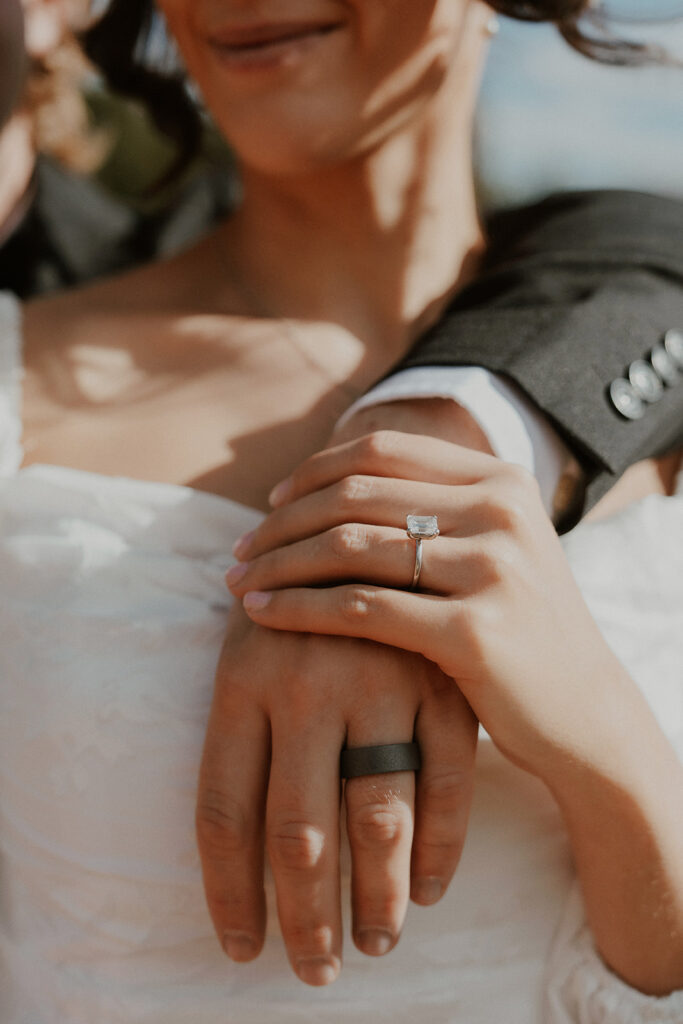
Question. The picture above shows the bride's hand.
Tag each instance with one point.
(498, 608)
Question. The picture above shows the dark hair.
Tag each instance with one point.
(118, 41)
(585, 28)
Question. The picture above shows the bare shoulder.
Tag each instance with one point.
(92, 324)
(155, 288)
(93, 338)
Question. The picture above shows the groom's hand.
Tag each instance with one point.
(434, 417)
(284, 706)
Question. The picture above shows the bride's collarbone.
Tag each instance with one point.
(227, 403)
(103, 363)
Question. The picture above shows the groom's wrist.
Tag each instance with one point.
(434, 417)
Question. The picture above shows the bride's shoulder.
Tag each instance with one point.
(96, 322)
(152, 289)
(103, 362)
(119, 320)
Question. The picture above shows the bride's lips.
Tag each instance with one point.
(264, 46)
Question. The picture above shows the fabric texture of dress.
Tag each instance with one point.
(112, 611)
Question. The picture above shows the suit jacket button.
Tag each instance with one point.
(673, 343)
(645, 381)
(664, 365)
(625, 400)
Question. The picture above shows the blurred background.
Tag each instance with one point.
(549, 119)
(80, 167)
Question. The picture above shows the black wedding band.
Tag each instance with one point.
(392, 757)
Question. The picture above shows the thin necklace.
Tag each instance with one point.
(255, 308)
(294, 335)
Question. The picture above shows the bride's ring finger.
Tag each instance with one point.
(377, 501)
(381, 555)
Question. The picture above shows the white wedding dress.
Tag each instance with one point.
(112, 610)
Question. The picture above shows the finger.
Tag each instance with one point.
(303, 845)
(229, 815)
(417, 622)
(379, 816)
(391, 454)
(446, 730)
(373, 554)
(377, 501)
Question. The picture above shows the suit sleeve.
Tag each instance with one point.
(572, 293)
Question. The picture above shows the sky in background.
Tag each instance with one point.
(550, 119)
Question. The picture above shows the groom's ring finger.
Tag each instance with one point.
(379, 816)
(381, 555)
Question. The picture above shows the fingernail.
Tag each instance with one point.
(319, 970)
(375, 942)
(236, 572)
(241, 545)
(280, 492)
(239, 946)
(254, 600)
(426, 890)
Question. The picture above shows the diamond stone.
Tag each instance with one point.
(422, 527)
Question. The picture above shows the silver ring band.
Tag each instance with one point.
(389, 757)
(418, 564)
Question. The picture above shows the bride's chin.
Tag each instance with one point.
(276, 151)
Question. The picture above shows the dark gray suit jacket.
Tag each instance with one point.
(573, 290)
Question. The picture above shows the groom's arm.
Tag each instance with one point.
(577, 293)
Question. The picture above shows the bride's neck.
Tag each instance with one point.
(378, 245)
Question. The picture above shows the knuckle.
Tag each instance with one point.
(509, 511)
(379, 445)
(356, 604)
(374, 826)
(296, 845)
(229, 906)
(348, 540)
(352, 490)
(316, 940)
(379, 907)
(485, 565)
(221, 825)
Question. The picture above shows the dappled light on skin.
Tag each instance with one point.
(421, 75)
(105, 374)
(208, 327)
(306, 340)
(396, 164)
